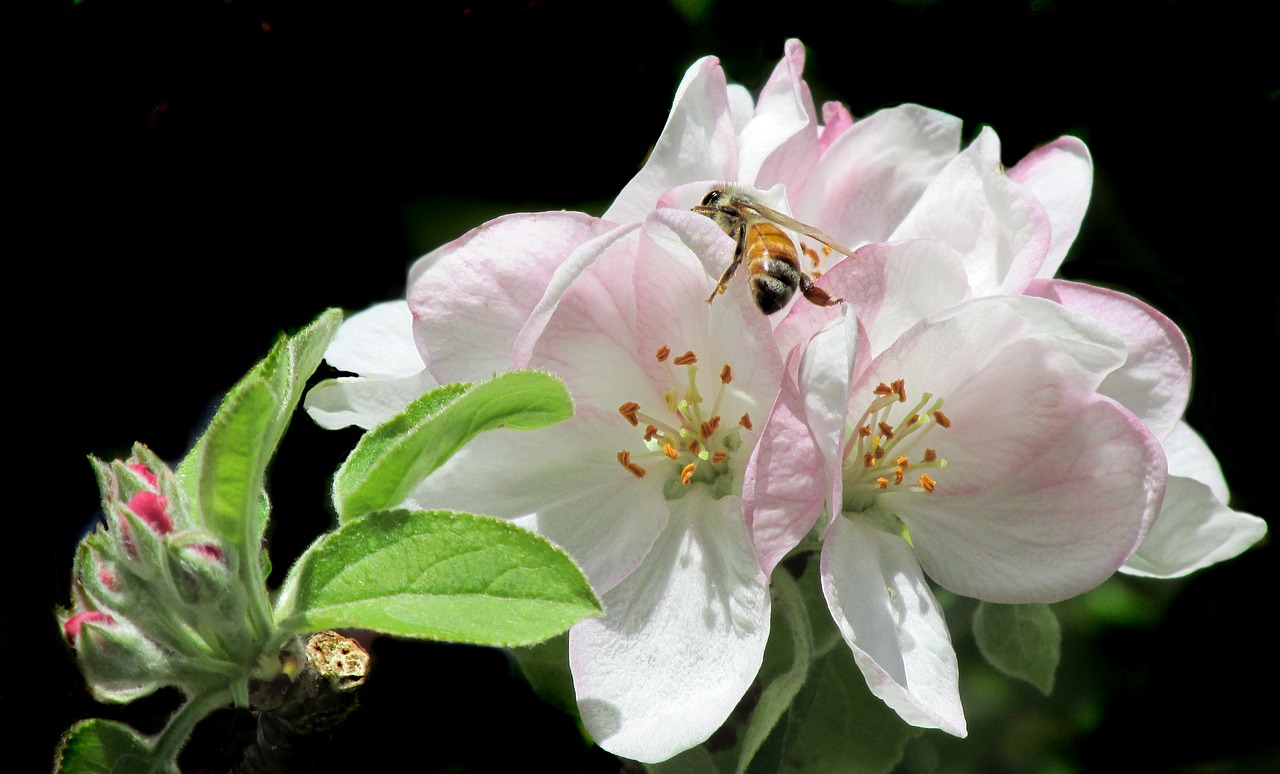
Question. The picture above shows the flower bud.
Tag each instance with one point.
(200, 570)
(119, 662)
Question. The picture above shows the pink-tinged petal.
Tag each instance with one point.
(563, 482)
(377, 343)
(780, 143)
(619, 241)
(699, 142)
(1048, 486)
(367, 403)
(836, 120)
(471, 297)
(1190, 456)
(873, 174)
(1155, 381)
(887, 614)
(1060, 174)
(892, 286)
(153, 510)
(1066, 516)
(1194, 530)
(681, 639)
(786, 481)
(998, 227)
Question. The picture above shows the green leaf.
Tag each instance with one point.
(281, 376)
(438, 575)
(396, 456)
(103, 747)
(546, 667)
(696, 760)
(233, 462)
(1023, 641)
(787, 659)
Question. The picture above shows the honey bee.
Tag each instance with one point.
(771, 256)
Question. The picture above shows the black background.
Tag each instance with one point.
(196, 176)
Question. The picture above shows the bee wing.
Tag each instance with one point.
(786, 221)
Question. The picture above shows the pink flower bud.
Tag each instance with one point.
(72, 625)
(149, 506)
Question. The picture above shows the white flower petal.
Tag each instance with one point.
(780, 143)
(889, 617)
(1060, 174)
(471, 297)
(377, 342)
(680, 640)
(366, 403)
(998, 227)
(1155, 381)
(563, 482)
(1194, 530)
(1191, 457)
(1077, 501)
(874, 173)
(699, 142)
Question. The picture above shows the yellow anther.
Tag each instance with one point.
(686, 475)
(629, 410)
(687, 358)
(663, 352)
(927, 482)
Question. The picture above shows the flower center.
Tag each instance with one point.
(690, 444)
(879, 447)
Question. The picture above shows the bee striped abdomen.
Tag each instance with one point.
(772, 266)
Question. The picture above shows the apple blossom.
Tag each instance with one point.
(986, 496)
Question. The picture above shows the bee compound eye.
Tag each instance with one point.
(711, 198)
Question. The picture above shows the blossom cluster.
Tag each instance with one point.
(152, 590)
(959, 419)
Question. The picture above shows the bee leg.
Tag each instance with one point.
(816, 294)
(738, 252)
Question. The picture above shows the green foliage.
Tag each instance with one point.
(395, 457)
(103, 747)
(439, 575)
(1023, 641)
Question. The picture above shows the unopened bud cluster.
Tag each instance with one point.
(155, 600)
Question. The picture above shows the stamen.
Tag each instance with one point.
(624, 457)
(864, 431)
(719, 457)
(726, 374)
(629, 410)
(694, 446)
(710, 426)
(650, 432)
(670, 451)
(686, 475)
(902, 462)
(898, 475)
(663, 352)
(941, 419)
(882, 482)
(900, 386)
(687, 358)
(930, 455)
(745, 421)
(886, 430)
(884, 389)
(869, 460)
(927, 482)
